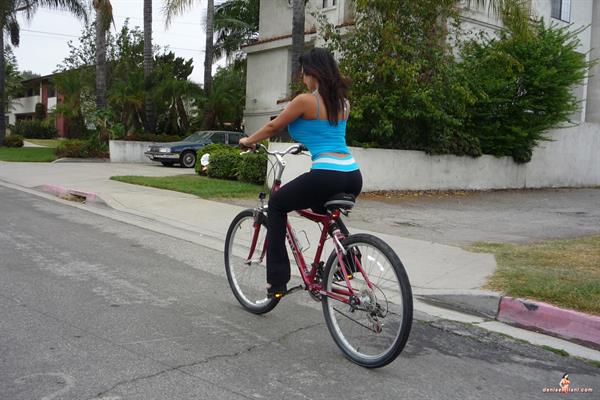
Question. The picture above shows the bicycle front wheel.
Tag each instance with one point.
(245, 262)
(373, 332)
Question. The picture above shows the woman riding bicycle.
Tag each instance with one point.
(318, 121)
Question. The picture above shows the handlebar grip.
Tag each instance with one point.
(300, 149)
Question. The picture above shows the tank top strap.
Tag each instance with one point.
(318, 105)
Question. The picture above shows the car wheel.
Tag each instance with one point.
(188, 159)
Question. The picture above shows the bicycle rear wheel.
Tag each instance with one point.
(246, 264)
(373, 333)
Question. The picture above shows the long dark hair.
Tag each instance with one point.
(333, 87)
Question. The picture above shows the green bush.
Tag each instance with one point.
(252, 168)
(223, 164)
(35, 129)
(523, 86)
(76, 148)
(13, 141)
(40, 111)
(209, 149)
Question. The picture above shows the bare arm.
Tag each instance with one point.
(293, 111)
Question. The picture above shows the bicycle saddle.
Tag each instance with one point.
(344, 201)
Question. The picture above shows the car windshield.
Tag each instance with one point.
(196, 137)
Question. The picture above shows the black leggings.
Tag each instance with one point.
(310, 190)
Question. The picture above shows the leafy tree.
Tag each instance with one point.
(9, 25)
(172, 92)
(12, 77)
(406, 93)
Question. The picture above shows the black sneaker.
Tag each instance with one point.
(277, 292)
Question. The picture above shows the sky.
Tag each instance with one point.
(44, 39)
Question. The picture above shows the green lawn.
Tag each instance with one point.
(27, 154)
(565, 273)
(45, 142)
(198, 185)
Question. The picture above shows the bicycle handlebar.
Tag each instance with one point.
(296, 148)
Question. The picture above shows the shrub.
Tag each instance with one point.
(76, 148)
(35, 129)
(252, 168)
(209, 149)
(40, 112)
(13, 141)
(223, 164)
(523, 85)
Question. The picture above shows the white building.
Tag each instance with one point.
(269, 59)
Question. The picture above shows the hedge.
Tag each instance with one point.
(35, 129)
(13, 141)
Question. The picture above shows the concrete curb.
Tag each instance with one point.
(532, 315)
(567, 324)
(65, 193)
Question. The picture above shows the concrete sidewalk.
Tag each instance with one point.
(439, 273)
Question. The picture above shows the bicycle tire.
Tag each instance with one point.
(370, 248)
(251, 293)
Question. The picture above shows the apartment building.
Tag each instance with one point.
(269, 58)
(36, 90)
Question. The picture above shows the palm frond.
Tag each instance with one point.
(172, 8)
(14, 29)
(75, 7)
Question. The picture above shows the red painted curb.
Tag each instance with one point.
(57, 190)
(567, 324)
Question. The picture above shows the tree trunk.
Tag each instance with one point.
(150, 120)
(184, 121)
(2, 89)
(297, 42)
(208, 61)
(100, 63)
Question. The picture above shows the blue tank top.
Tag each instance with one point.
(320, 136)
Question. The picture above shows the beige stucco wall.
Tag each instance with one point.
(570, 160)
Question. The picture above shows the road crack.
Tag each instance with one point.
(180, 369)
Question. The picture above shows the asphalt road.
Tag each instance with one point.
(91, 308)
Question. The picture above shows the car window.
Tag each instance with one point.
(218, 137)
(234, 138)
(194, 137)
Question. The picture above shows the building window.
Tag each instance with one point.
(561, 9)
(329, 3)
(51, 90)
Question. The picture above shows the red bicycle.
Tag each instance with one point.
(363, 286)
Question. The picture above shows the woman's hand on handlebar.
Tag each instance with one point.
(244, 144)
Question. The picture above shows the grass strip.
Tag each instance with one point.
(27, 154)
(565, 273)
(197, 185)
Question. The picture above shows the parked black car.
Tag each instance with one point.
(184, 152)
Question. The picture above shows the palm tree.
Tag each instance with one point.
(175, 7)
(297, 39)
(104, 17)
(150, 120)
(9, 10)
(236, 23)
(514, 13)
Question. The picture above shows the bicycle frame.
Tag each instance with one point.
(309, 276)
